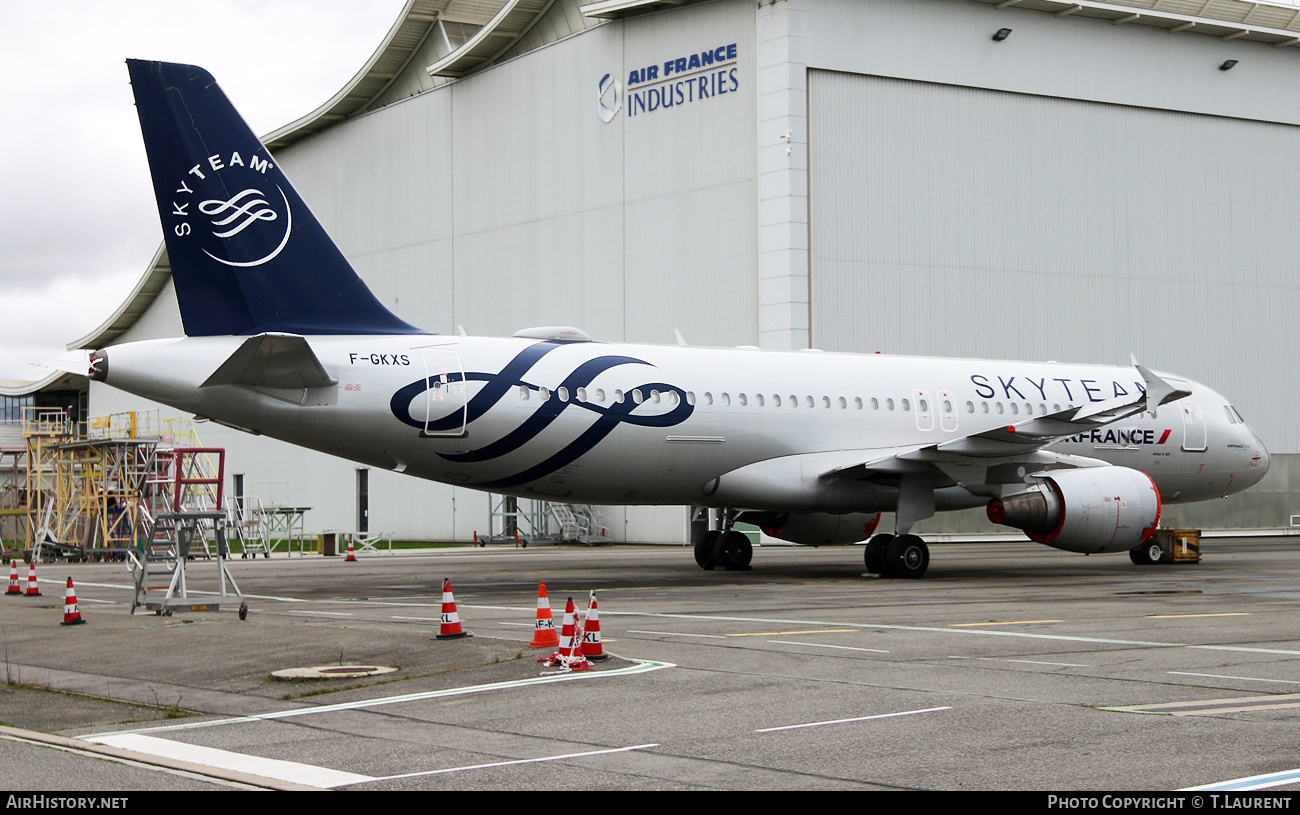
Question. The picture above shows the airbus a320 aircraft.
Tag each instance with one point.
(282, 338)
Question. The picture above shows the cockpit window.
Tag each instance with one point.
(1231, 417)
(1234, 412)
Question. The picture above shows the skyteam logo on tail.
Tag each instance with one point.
(248, 227)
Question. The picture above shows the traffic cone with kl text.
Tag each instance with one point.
(14, 589)
(591, 645)
(450, 628)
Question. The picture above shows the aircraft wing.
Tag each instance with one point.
(998, 455)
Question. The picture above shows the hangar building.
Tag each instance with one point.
(1028, 179)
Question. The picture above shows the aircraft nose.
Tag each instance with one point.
(1260, 458)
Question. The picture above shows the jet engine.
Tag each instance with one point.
(816, 528)
(1097, 509)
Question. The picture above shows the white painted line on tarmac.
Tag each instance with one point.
(975, 632)
(858, 719)
(1037, 662)
(519, 761)
(824, 645)
(292, 771)
(1253, 782)
(677, 634)
(324, 613)
(1242, 678)
(638, 668)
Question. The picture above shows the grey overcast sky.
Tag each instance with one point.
(77, 221)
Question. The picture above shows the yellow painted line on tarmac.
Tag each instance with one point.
(818, 631)
(1176, 616)
(1008, 622)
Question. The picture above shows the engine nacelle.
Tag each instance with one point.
(816, 528)
(1096, 509)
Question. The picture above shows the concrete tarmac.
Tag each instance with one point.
(1008, 667)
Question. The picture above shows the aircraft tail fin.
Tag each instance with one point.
(247, 256)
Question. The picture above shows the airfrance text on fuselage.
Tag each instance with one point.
(683, 79)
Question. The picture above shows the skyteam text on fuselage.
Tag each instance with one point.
(282, 338)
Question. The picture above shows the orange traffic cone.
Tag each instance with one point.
(351, 558)
(591, 646)
(544, 635)
(566, 636)
(71, 614)
(450, 619)
(14, 588)
(32, 589)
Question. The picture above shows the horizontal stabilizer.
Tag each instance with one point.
(272, 361)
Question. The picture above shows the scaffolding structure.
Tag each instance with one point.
(105, 495)
(523, 521)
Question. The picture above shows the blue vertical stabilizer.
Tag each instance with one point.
(247, 256)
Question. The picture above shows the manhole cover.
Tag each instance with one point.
(332, 672)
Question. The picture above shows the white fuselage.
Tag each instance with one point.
(636, 424)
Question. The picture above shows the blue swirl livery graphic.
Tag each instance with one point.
(499, 385)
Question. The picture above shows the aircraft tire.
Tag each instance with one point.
(733, 551)
(704, 546)
(907, 556)
(1148, 554)
(873, 556)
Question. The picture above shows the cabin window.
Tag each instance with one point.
(654, 396)
(889, 404)
(984, 406)
(523, 393)
(637, 397)
(618, 395)
(563, 393)
(923, 405)
(875, 403)
(726, 399)
(947, 406)
(1056, 408)
(545, 393)
(794, 400)
(582, 395)
(744, 400)
(808, 400)
(843, 403)
(673, 398)
(970, 407)
(998, 405)
(907, 405)
(1042, 409)
(776, 400)
(690, 397)
(708, 398)
(758, 397)
(1015, 409)
(857, 402)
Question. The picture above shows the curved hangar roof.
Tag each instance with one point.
(470, 35)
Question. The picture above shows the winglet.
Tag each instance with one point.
(1159, 392)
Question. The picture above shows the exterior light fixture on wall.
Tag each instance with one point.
(1227, 65)
(1001, 34)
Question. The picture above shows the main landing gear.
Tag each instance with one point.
(897, 556)
(730, 550)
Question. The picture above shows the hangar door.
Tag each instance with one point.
(962, 221)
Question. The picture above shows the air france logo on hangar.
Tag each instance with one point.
(674, 82)
(248, 227)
